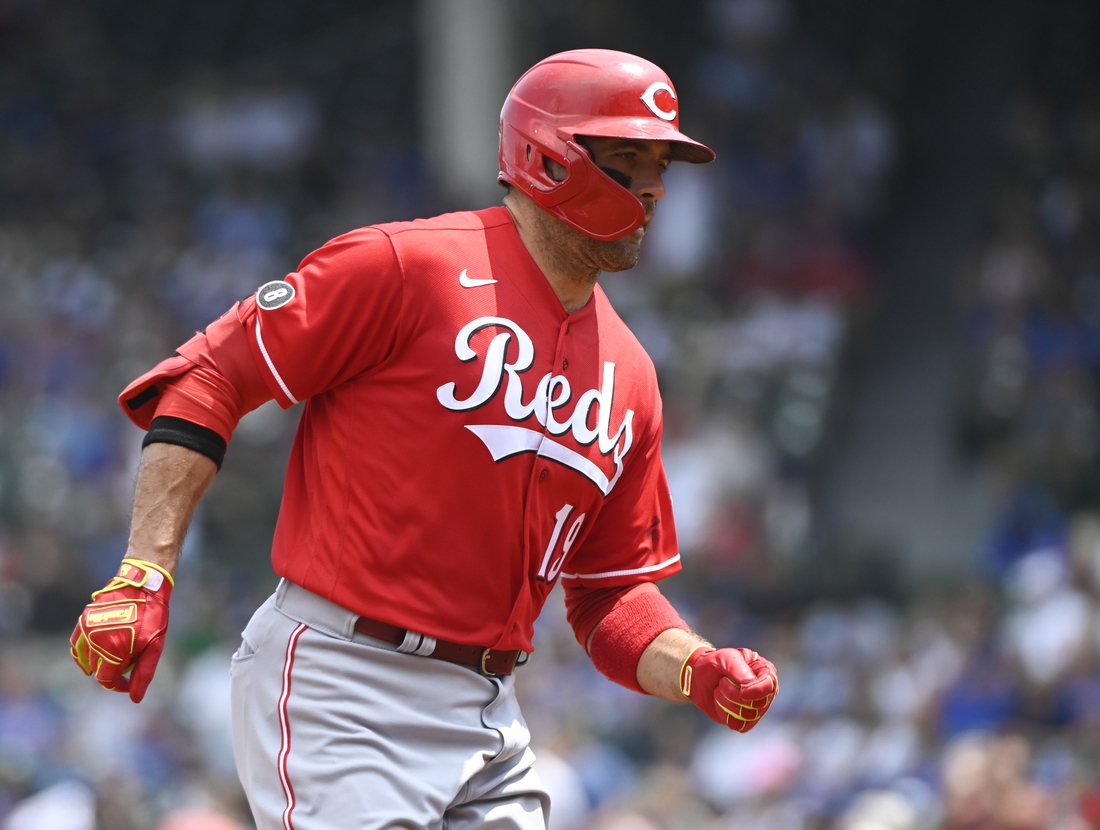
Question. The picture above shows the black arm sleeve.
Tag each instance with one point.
(167, 430)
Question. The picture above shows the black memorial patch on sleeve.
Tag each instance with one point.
(274, 294)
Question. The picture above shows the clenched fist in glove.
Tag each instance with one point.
(733, 686)
(122, 628)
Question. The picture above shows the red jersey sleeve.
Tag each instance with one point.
(332, 319)
(202, 397)
(634, 537)
(212, 381)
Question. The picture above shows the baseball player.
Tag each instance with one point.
(478, 425)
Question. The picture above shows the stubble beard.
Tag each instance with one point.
(616, 255)
(584, 257)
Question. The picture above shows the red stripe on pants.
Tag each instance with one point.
(284, 726)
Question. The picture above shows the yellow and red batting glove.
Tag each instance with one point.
(122, 629)
(733, 686)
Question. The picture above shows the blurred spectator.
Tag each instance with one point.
(66, 806)
(198, 820)
(268, 128)
(987, 785)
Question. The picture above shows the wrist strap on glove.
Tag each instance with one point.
(686, 672)
(138, 573)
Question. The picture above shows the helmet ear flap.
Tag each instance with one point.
(523, 160)
(590, 200)
(587, 199)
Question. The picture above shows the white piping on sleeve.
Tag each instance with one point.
(629, 572)
(270, 365)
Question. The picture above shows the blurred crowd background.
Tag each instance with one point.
(875, 319)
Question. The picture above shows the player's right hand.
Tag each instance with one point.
(122, 628)
(733, 686)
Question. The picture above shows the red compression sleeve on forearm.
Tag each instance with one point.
(585, 607)
(628, 629)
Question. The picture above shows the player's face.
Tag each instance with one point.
(638, 166)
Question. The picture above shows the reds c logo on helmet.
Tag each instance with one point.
(649, 99)
(588, 92)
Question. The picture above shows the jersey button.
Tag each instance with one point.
(565, 364)
(543, 475)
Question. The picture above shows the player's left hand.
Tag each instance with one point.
(733, 686)
(122, 629)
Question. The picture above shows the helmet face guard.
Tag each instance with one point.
(590, 200)
(587, 92)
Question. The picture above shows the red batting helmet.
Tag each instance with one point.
(588, 92)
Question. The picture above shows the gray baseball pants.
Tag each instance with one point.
(334, 730)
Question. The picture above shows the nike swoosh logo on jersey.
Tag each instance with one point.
(469, 282)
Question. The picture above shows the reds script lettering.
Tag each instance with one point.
(551, 394)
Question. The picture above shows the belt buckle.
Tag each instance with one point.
(482, 669)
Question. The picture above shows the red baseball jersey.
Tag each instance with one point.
(465, 441)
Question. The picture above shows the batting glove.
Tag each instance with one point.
(733, 686)
(122, 629)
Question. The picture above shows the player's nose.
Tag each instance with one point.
(649, 183)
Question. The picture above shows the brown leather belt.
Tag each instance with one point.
(489, 662)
